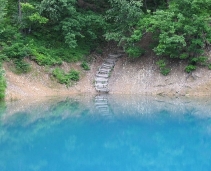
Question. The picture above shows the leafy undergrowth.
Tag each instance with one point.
(66, 78)
(52, 54)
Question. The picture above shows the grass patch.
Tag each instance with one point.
(65, 78)
(85, 66)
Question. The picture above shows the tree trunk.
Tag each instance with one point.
(167, 3)
(145, 4)
(19, 12)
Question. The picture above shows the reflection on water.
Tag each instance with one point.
(106, 133)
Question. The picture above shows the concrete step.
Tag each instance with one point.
(101, 85)
(103, 69)
(114, 55)
(106, 90)
(110, 61)
(102, 75)
(100, 79)
(107, 66)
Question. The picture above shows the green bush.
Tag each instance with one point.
(21, 66)
(3, 56)
(73, 54)
(9, 33)
(61, 77)
(45, 58)
(190, 68)
(74, 75)
(134, 51)
(209, 66)
(184, 56)
(53, 53)
(164, 71)
(64, 78)
(16, 50)
(85, 66)
(199, 60)
(162, 65)
(2, 84)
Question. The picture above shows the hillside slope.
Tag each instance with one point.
(140, 76)
(143, 77)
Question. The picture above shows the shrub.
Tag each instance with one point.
(201, 59)
(74, 75)
(3, 57)
(16, 50)
(21, 66)
(165, 71)
(162, 65)
(209, 66)
(73, 54)
(54, 53)
(85, 66)
(45, 58)
(2, 84)
(134, 52)
(61, 77)
(64, 78)
(190, 68)
(184, 56)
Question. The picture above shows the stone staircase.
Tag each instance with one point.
(104, 72)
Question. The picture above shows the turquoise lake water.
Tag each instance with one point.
(106, 133)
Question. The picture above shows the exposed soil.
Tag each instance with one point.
(139, 76)
(39, 82)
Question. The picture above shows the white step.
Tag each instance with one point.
(101, 79)
(114, 55)
(102, 75)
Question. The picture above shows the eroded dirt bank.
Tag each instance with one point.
(140, 76)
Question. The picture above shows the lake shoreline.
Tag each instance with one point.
(138, 76)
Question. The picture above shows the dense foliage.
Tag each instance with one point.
(52, 31)
(180, 31)
(65, 78)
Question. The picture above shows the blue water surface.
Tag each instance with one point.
(106, 133)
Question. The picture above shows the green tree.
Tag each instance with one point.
(29, 17)
(3, 12)
(122, 16)
(73, 22)
(2, 9)
(181, 31)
